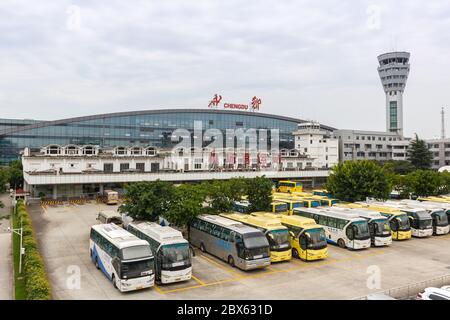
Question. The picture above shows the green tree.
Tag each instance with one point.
(187, 203)
(398, 166)
(356, 180)
(220, 194)
(424, 182)
(259, 192)
(148, 200)
(4, 178)
(419, 155)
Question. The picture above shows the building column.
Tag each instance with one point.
(55, 192)
(313, 183)
(101, 187)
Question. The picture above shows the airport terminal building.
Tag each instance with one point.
(138, 128)
(85, 155)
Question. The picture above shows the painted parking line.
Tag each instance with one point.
(227, 269)
(298, 265)
(198, 280)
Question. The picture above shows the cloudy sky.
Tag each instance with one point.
(307, 59)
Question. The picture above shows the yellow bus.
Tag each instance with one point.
(281, 195)
(289, 186)
(275, 232)
(321, 192)
(291, 204)
(302, 194)
(398, 220)
(279, 207)
(308, 239)
(325, 201)
(435, 199)
(307, 202)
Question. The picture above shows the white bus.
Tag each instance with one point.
(380, 231)
(419, 219)
(438, 214)
(345, 230)
(240, 245)
(173, 256)
(125, 259)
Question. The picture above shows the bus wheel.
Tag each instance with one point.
(231, 261)
(96, 263)
(295, 253)
(202, 247)
(341, 243)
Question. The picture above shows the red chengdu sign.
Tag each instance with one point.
(253, 105)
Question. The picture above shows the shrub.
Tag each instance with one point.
(36, 283)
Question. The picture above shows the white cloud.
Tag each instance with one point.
(309, 59)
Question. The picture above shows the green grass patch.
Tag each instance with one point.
(19, 279)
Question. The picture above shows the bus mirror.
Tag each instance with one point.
(292, 234)
(270, 235)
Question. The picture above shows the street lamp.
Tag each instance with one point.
(19, 231)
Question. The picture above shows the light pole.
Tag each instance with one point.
(19, 231)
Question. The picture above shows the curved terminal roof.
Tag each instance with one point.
(149, 112)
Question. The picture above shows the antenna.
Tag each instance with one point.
(442, 124)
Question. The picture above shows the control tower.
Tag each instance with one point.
(393, 70)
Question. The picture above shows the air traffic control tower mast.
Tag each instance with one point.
(393, 70)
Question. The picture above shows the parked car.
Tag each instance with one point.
(446, 288)
(433, 294)
(109, 216)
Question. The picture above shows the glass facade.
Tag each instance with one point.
(141, 128)
(393, 114)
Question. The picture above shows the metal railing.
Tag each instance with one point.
(410, 291)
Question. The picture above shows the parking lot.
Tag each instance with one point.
(63, 234)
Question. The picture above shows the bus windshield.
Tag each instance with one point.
(425, 223)
(278, 239)
(255, 240)
(361, 230)
(135, 269)
(441, 218)
(287, 184)
(136, 252)
(317, 238)
(175, 256)
(281, 207)
(296, 204)
(403, 222)
(381, 227)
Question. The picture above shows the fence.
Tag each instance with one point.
(410, 291)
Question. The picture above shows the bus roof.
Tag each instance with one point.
(118, 236)
(260, 221)
(228, 223)
(381, 208)
(162, 234)
(418, 204)
(110, 214)
(361, 212)
(277, 202)
(334, 214)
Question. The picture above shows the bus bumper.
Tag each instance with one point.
(176, 276)
(359, 244)
(401, 235)
(422, 233)
(442, 230)
(136, 283)
(280, 256)
(312, 255)
(382, 241)
(255, 264)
